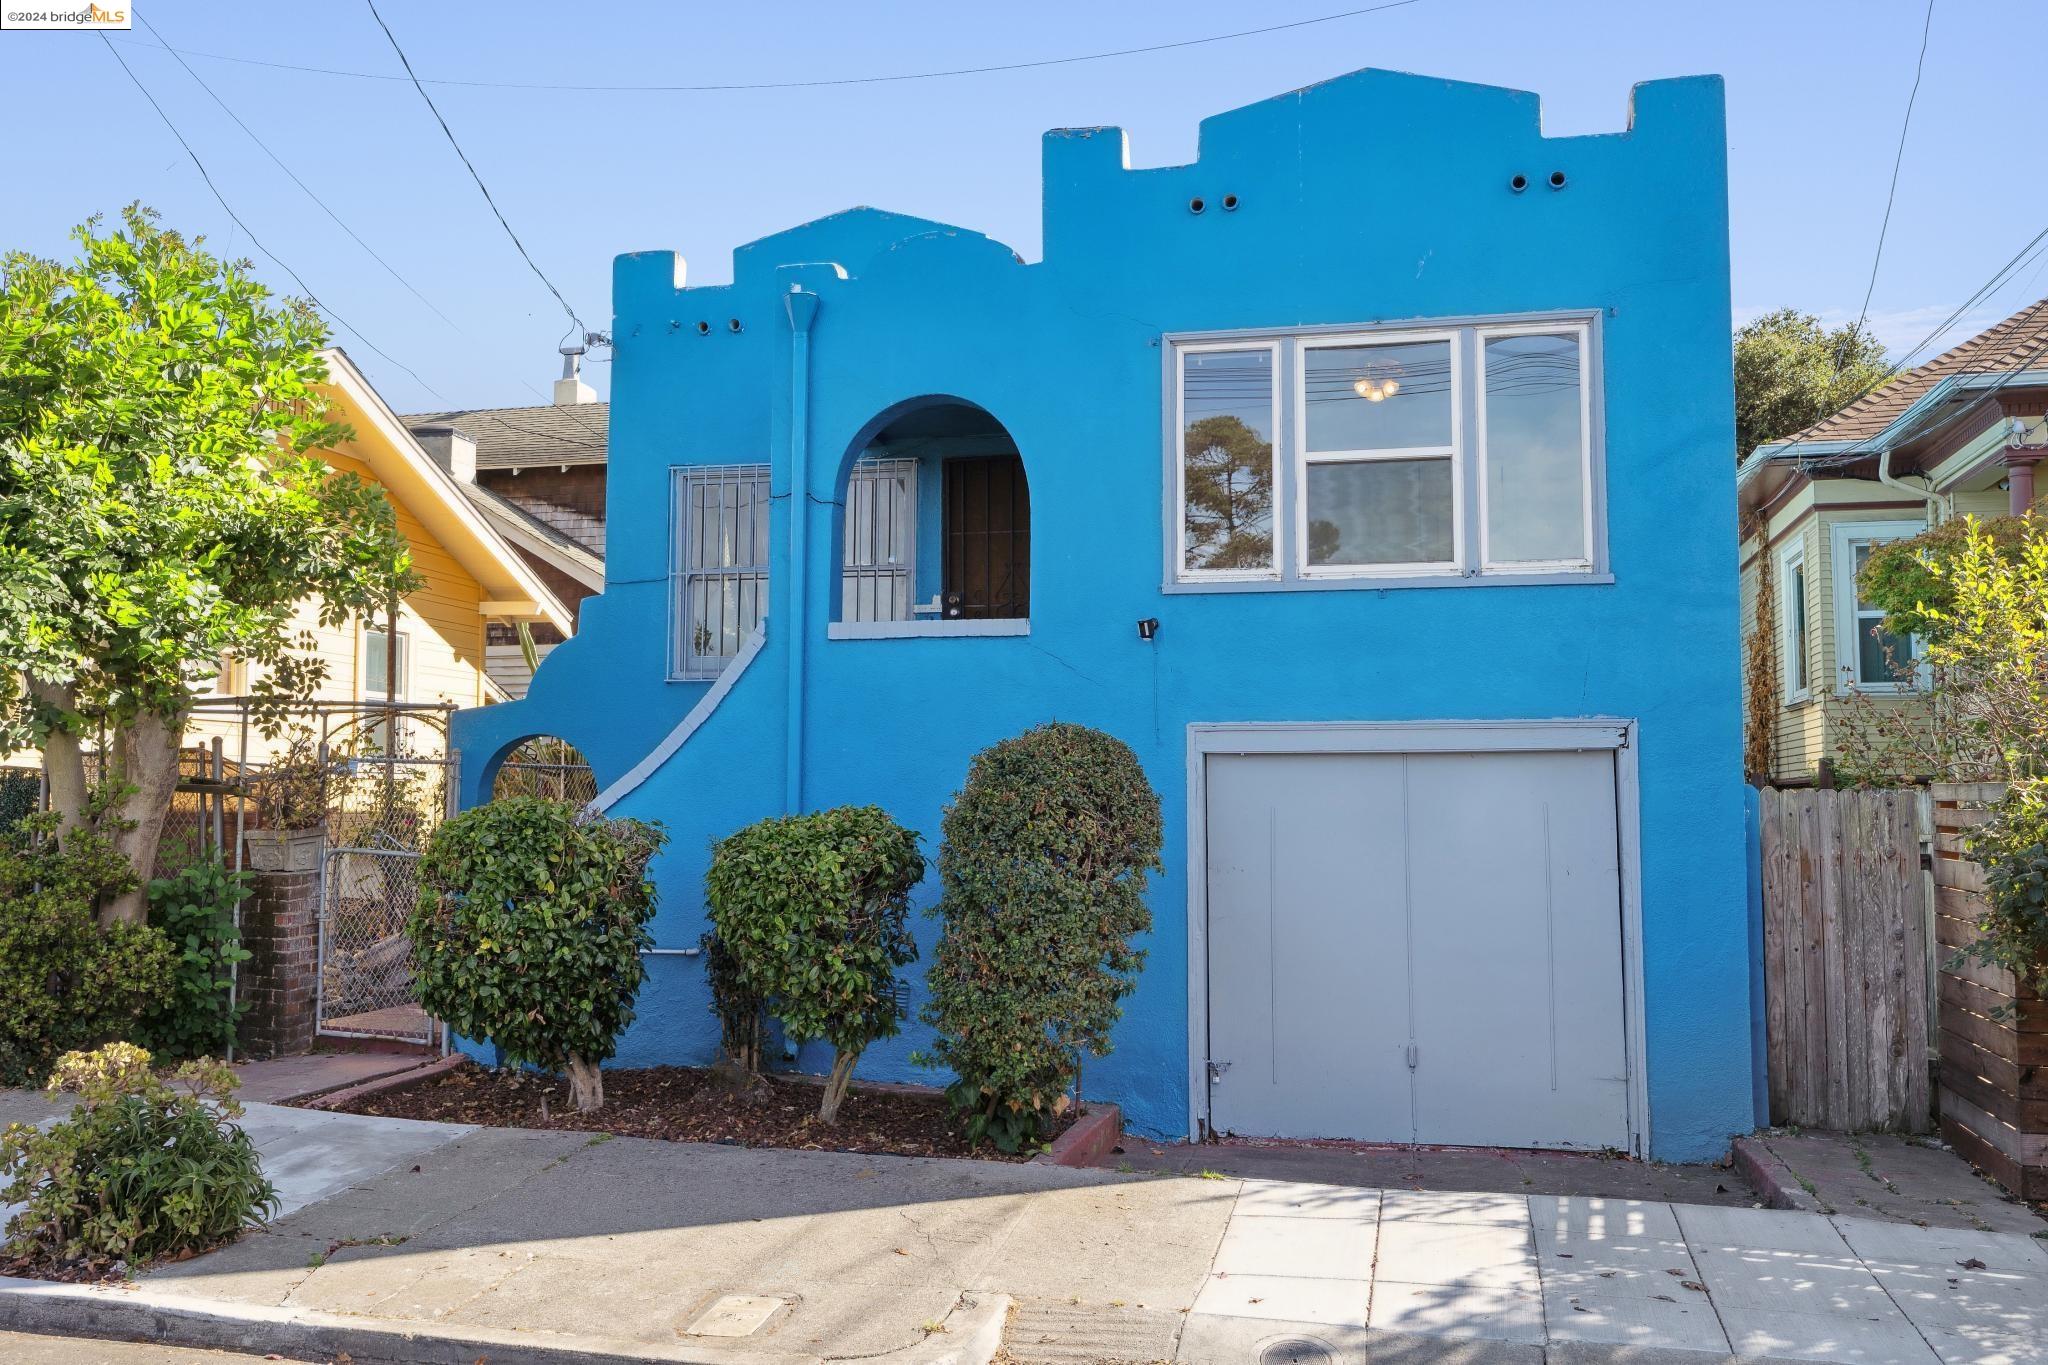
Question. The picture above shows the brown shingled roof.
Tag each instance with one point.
(2020, 342)
(508, 438)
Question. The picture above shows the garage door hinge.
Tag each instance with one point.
(1414, 1056)
(1216, 1069)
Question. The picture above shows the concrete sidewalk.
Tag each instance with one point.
(423, 1242)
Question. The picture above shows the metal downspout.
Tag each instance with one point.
(802, 306)
(1932, 511)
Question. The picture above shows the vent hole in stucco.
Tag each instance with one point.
(1519, 183)
(1195, 205)
(1557, 180)
(1230, 202)
(732, 324)
(703, 328)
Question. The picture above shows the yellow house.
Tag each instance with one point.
(474, 577)
(1957, 436)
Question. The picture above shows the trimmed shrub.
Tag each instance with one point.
(811, 910)
(738, 1010)
(195, 910)
(66, 982)
(529, 929)
(144, 1167)
(1043, 872)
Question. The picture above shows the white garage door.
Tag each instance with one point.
(1416, 948)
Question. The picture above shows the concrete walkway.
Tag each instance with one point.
(426, 1242)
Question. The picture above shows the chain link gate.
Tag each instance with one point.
(382, 808)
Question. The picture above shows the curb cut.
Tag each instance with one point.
(377, 1085)
(1088, 1141)
(1774, 1180)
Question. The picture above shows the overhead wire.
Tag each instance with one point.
(1891, 195)
(885, 79)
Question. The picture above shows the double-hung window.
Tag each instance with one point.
(1792, 583)
(1868, 657)
(718, 578)
(1425, 453)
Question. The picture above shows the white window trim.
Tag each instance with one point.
(1468, 334)
(1584, 561)
(1795, 635)
(375, 689)
(1182, 573)
(1846, 535)
(1304, 457)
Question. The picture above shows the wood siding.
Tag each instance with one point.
(1846, 960)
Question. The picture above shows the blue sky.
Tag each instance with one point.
(1817, 89)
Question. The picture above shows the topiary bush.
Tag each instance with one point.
(1047, 849)
(529, 928)
(66, 982)
(144, 1167)
(811, 910)
(195, 911)
(740, 1012)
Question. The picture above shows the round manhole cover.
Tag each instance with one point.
(1298, 1351)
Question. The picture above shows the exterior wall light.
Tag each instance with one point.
(1148, 628)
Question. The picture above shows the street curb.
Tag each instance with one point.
(1773, 1179)
(396, 1080)
(134, 1312)
(1088, 1141)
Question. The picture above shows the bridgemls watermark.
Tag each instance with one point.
(87, 16)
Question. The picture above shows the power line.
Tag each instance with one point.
(280, 262)
(887, 79)
(1898, 159)
(293, 175)
(485, 189)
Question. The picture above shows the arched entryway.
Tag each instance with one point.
(937, 523)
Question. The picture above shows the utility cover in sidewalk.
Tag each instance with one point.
(1298, 1351)
(735, 1315)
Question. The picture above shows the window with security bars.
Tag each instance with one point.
(878, 575)
(719, 575)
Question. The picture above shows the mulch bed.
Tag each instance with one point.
(688, 1104)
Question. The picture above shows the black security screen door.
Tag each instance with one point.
(988, 538)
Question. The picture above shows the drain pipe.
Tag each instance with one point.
(802, 306)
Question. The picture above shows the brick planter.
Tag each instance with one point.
(1994, 1070)
(280, 928)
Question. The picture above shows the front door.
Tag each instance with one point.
(987, 557)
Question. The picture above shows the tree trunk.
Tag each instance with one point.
(147, 758)
(836, 1086)
(63, 755)
(586, 1085)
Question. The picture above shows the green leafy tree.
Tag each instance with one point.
(1229, 473)
(1790, 371)
(530, 924)
(809, 912)
(1043, 871)
(159, 508)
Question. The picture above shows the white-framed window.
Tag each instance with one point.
(718, 574)
(878, 578)
(1793, 595)
(1428, 452)
(377, 672)
(1867, 657)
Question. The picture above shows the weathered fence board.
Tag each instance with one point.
(1846, 960)
(1994, 1028)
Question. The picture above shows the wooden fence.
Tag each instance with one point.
(1847, 959)
(1994, 1028)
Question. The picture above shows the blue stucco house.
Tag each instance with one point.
(1370, 476)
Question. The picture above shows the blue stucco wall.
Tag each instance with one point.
(1374, 197)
